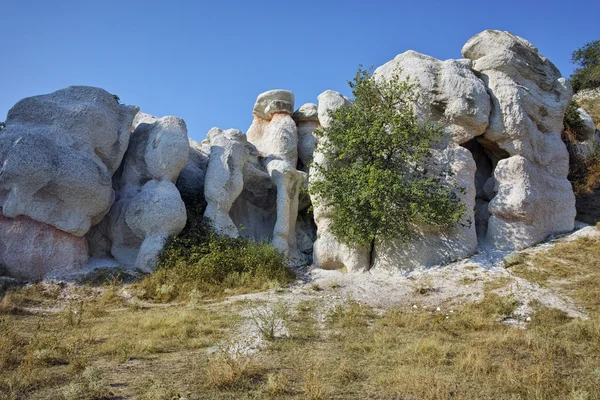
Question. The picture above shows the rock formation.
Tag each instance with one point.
(58, 153)
(148, 207)
(81, 178)
(328, 252)
(529, 97)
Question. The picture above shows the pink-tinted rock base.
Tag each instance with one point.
(30, 249)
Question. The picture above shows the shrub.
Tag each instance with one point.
(587, 75)
(584, 172)
(573, 124)
(376, 173)
(202, 261)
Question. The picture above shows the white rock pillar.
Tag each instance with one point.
(275, 135)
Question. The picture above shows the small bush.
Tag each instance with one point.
(584, 172)
(201, 261)
(269, 321)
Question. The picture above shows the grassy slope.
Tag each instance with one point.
(103, 347)
(592, 106)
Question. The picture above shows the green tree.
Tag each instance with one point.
(375, 173)
(587, 75)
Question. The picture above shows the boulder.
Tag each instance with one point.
(587, 141)
(148, 207)
(449, 94)
(58, 153)
(529, 99)
(30, 249)
(224, 177)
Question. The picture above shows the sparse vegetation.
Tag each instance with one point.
(202, 262)
(584, 171)
(83, 347)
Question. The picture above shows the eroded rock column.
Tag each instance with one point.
(224, 177)
(328, 252)
(529, 97)
(275, 135)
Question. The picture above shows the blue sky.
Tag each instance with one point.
(206, 61)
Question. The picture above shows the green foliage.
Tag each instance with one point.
(117, 99)
(587, 76)
(375, 173)
(201, 261)
(584, 171)
(573, 123)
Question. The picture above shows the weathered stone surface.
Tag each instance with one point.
(224, 177)
(328, 252)
(522, 208)
(449, 93)
(148, 207)
(587, 141)
(191, 178)
(307, 120)
(58, 152)
(529, 98)
(30, 249)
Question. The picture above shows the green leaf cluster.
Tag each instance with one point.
(376, 175)
(587, 75)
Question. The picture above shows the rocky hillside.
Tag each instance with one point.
(87, 182)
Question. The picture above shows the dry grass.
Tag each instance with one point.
(346, 351)
(592, 106)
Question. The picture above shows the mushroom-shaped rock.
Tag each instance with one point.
(275, 135)
(274, 101)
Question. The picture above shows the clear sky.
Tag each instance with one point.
(206, 61)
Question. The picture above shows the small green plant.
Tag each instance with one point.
(269, 320)
(117, 99)
(424, 286)
(573, 124)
